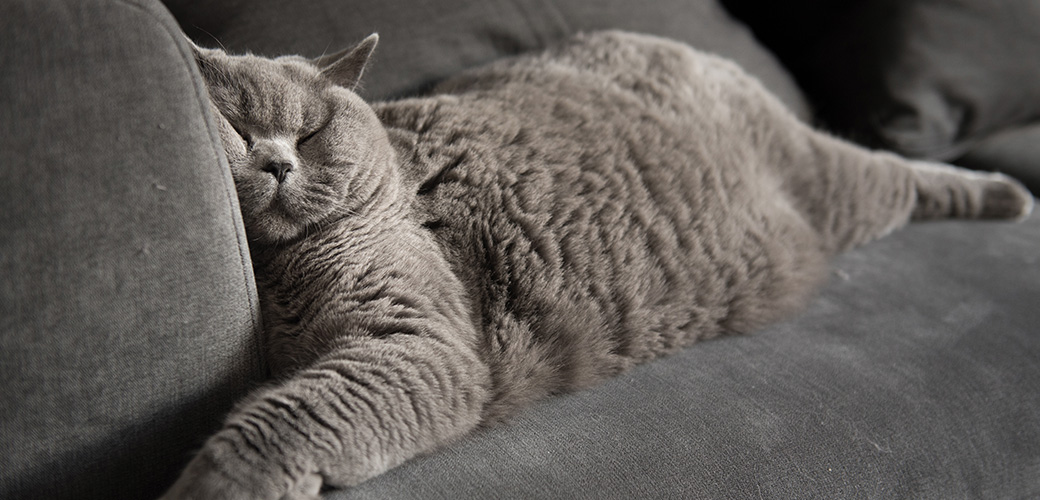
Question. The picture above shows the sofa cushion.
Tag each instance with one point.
(422, 42)
(913, 375)
(128, 318)
(1015, 152)
(926, 78)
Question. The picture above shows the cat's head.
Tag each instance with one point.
(304, 149)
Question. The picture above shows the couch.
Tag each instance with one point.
(129, 320)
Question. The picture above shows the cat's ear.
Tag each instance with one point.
(199, 52)
(204, 57)
(191, 43)
(344, 68)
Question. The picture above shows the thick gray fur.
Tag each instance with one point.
(431, 265)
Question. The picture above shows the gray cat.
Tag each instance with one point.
(429, 266)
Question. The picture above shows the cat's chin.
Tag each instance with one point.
(283, 217)
(273, 229)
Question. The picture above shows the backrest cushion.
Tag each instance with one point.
(926, 78)
(423, 42)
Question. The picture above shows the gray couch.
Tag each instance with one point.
(128, 312)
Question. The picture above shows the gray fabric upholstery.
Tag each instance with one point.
(925, 78)
(422, 42)
(1015, 152)
(914, 374)
(128, 317)
(948, 72)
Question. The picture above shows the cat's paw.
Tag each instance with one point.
(306, 488)
(1006, 198)
(949, 191)
(208, 476)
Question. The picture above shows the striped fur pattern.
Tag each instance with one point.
(431, 265)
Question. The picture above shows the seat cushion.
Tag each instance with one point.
(914, 374)
(128, 314)
(423, 42)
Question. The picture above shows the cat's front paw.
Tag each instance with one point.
(213, 475)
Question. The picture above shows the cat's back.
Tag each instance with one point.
(593, 200)
(665, 76)
(606, 103)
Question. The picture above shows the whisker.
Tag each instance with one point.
(215, 39)
(326, 50)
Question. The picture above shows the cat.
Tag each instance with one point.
(430, 265)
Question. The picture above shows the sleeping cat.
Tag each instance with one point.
(429, 266)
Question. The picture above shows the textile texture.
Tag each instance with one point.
(127, 310)
(423, 42)
(1015, 152)
(931, 79)
(914, 374)
(128, 316)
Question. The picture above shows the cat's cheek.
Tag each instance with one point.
(259, 187)
(236, 150)
(235, 146)
(254, 203)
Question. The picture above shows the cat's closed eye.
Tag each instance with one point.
(306, 137)
(245, 136)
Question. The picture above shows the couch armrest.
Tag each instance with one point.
(128, 315)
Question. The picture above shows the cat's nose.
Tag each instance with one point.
(279, 169)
